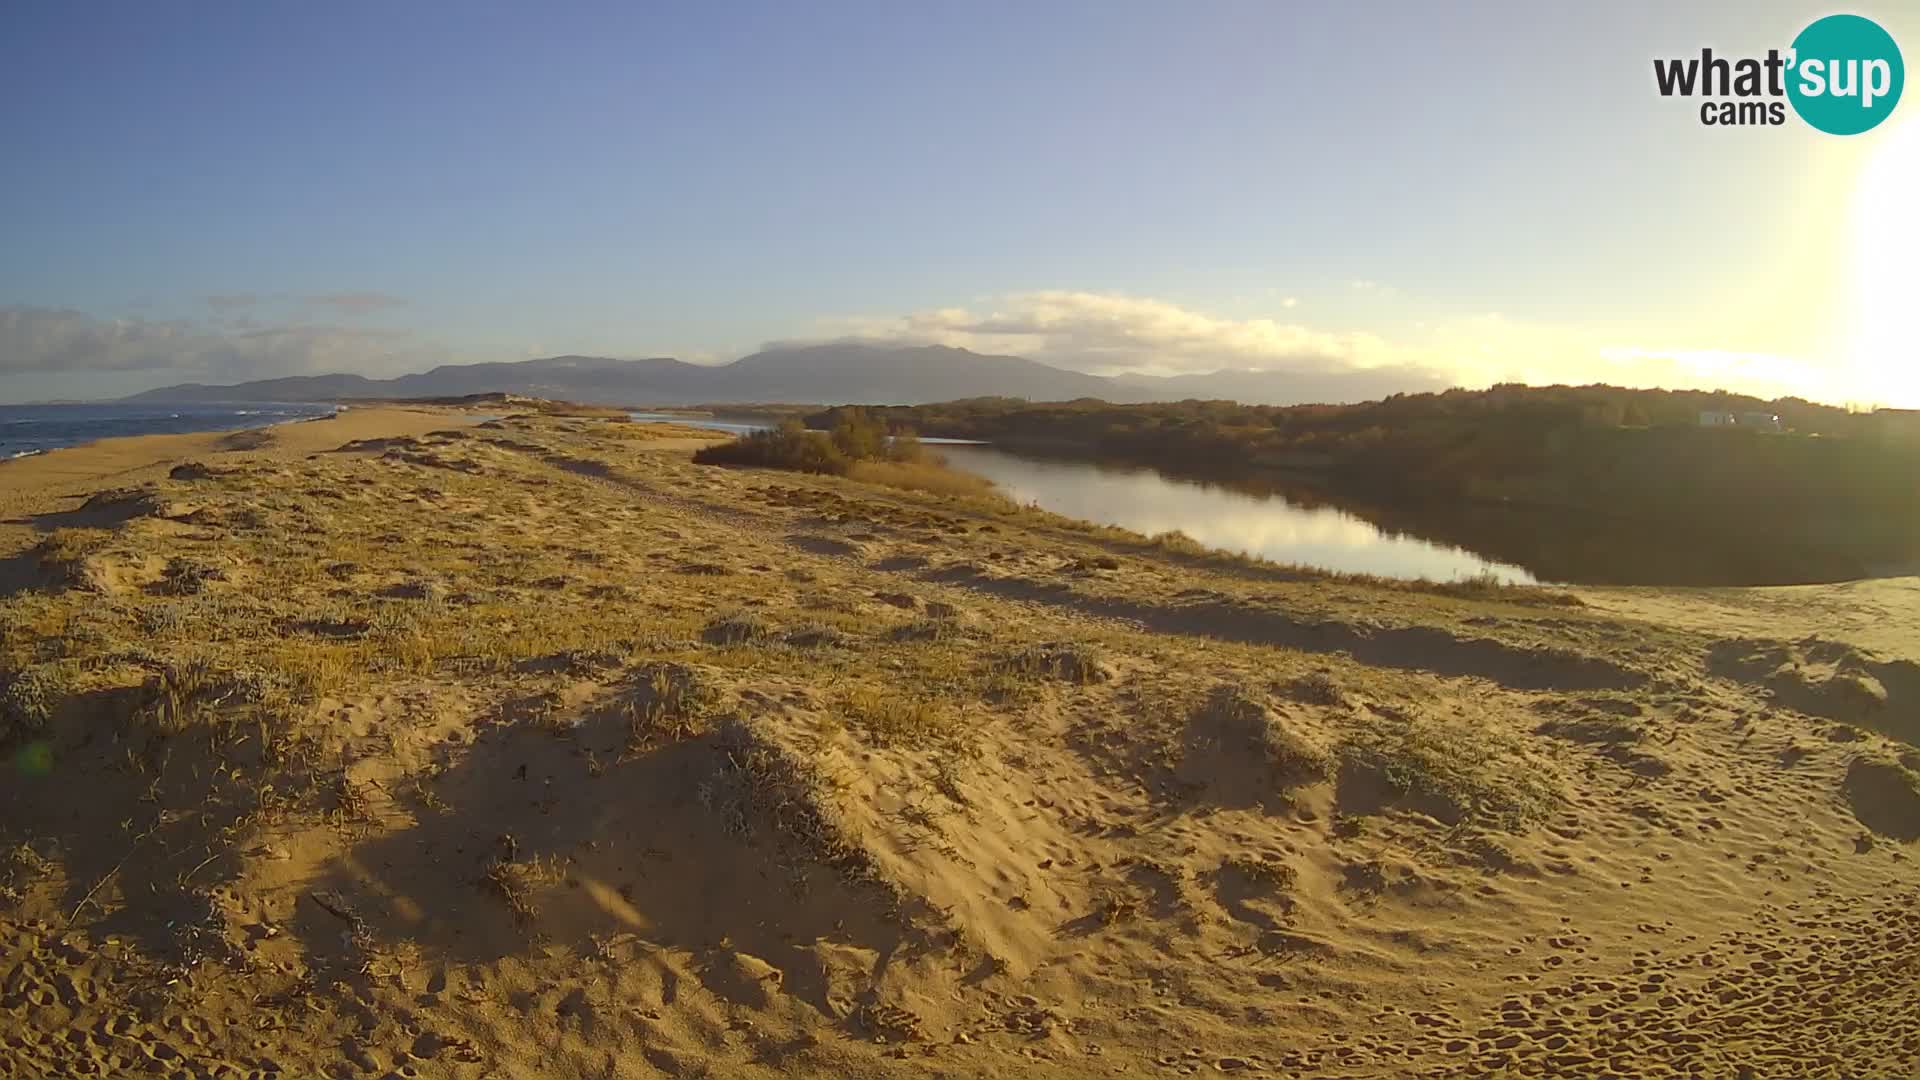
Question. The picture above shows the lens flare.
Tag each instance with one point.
(1886, 326)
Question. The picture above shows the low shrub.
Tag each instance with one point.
(739, 628)
(665, 702)
(856, 440)
(1244, 723)
(1315, 688)
(788, 446)
(1075, 664)
(27, 701)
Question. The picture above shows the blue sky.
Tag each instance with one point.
(225, 191)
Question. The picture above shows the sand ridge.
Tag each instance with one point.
(528, 748)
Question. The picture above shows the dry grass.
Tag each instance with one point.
(668, 703)
(1114, 907)
(932, 477)
(21, 869)
(182, 694)
(1475, 773)
(887, 1023)
(896, 717)
(1269, 873)
(739, 628)
(648, 431)
(187, 577)
(350, 800)
(1068, 663)
(517, 883)
(762, 782)
(1315, 688)
(1244, 720)
(64, 556)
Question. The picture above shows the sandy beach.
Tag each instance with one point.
(407, 743)
(29, 484)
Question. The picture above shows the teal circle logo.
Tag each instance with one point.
(1845, 74)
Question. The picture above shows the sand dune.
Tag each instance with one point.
(398, 745)
(29, 484)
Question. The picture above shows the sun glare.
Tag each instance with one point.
(1886, 285)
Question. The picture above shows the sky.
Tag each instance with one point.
(225, 191)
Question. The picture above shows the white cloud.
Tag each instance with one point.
(51, 341)
(1106, 333)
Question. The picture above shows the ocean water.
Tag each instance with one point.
(35, 429)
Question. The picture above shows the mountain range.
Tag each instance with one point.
(841, 373)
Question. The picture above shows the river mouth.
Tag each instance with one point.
(1290, 518)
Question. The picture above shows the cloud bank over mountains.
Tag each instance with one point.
(52, 340)
(248, 336)
(1105, 334)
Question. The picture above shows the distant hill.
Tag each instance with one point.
(584, 378)
(880, 374)
(842, 373)
(296, 388)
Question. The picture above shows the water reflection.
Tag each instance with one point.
(735, 426)
(1264, 524)
(1269, 526)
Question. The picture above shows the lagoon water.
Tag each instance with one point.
(1147, 501)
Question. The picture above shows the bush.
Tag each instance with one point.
(788, 446)
(857, 437)
(27, 700)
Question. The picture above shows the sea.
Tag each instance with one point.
(35, 429)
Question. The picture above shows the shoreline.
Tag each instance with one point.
(1554, 545)
(208, 410)
(35, 483)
